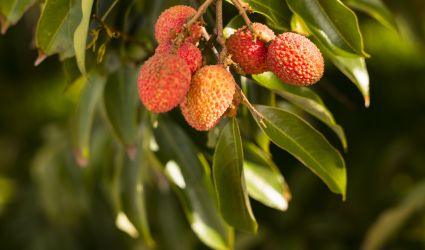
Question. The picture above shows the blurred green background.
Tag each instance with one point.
(46, 202)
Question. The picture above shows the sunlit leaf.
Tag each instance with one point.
(83, 120)
(304, 98)
(80, 35)
(56, 26)
(305, 143)
(228, 175)
(333, 23)
(121, 102)
(263, 180)
(188, 170)
(375, 8)
(12, 11)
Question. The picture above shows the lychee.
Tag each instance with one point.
(249, 52)
(295, 59)
(164, 80)
(210, 94)
(170, 24)
(187, 51)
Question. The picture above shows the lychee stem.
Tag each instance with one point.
(251, 108)
(201, 10)
(207, 37)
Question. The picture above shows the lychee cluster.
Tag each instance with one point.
(174, 74)
(292, 57)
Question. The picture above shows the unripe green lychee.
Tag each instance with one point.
(164, 80)
(250, 54)
(170, 24)
(210, 94)
(295, 59)
(187, 51)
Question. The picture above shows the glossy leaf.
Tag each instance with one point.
(56, 26)
(89, 98)
(263, 179)
(121, 102)
(305, 143)
(132, 217)
(304, 98)
(276, 12)
(188, 171)
(392, 219)
(375, 8)
(12, 11)
(80, 35)
(333, 23)
(229, 179)
(354, 67)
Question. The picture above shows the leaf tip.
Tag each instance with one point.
(4, 26)
(367, 101)
(40, 58)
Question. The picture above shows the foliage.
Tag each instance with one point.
(138, 165)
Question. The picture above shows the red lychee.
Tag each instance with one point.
(295, 59)
(250, 54)
(210, 94)
(187, 51)
(164, 80)
(170, 24)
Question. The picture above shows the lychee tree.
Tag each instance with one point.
(175, 97)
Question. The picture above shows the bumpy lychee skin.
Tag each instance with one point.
(295, 59)
(210, 94)
(249, 54)
(164, 80)
(170, 24)
(187, 51)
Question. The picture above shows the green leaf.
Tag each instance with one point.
(188, 170)
(56, 26)
(83, 120)
(12, 11)
(132, 217)
(375, 8)
(305, 143)
(392, 219)
(264, 181)
(80, 35)
(354, 67)
(121, 102)
(332, 23)
(276, 12)
(304, 98)
(229, 179)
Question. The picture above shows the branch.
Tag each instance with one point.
(209, 43)
(242, 7)
(180, 38)
(251, 108)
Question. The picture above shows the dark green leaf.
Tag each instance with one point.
(188, 170)
(276, 12)
(305, 143)
(89, 98)
(354, 67)
(56, 26)
(121, 102)
(375, 8)
(304, 98)
(12, 11)
(263, 180)
(229, 180)
(333, 23)
(80, 35)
